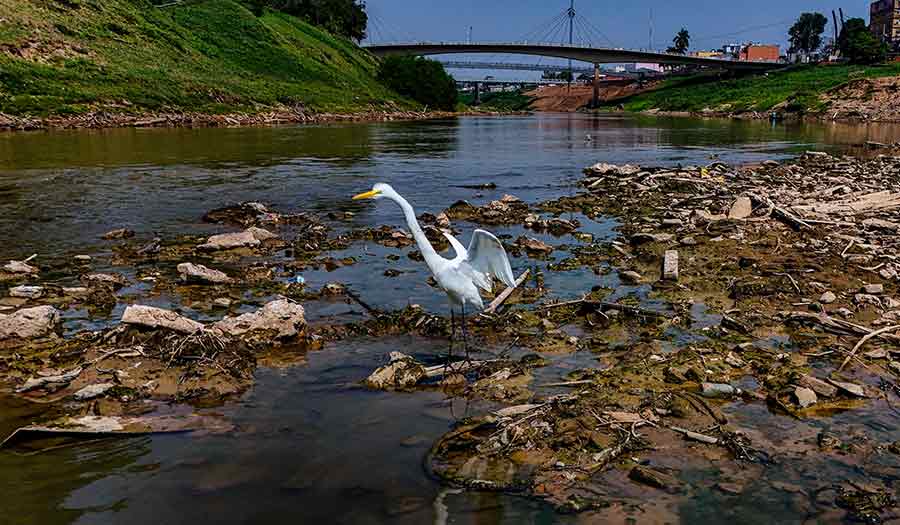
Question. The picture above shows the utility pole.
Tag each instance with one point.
(651, 30)
(469, 37)
(571, 13)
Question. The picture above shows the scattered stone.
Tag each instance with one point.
(630, 277)
(718, 390)
(113, 280)
(29, 323)
(280, 319)
(402, 372)
(20, 267)
(741, 209)
(26, 292)
(644, 238)
(850, 388)
(230, 241)
(654, 478)
(828, 298)
(872, 289)
(805, 396)
(689, 241)
(76, 291)
(92, 391)
(670, 265)
(671, 223)
(534, 246)
(197, 273)
(122, 233)
(222, 302)
(152, 317)
(83, 258)
(260, 234)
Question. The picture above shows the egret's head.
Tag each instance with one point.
(379, 191)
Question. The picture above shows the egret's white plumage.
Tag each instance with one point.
(471, 269)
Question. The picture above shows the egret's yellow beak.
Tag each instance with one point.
(366, 195)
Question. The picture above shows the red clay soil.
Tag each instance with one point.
(564, 98)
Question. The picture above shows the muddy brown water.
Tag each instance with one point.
(309, 445)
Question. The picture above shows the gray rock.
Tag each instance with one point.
(26, 292)
(197, 273)
(76, 291)
(818, 386)
(281, 319)
(672, 223)
(107, 279)
(20, 267)
(670, 265)
(260, 234)
(850, 388)
(29, 323)
(152, 317)
(402, 372)
(872, 289)
(805, 396)
(122, 233)
(827, 298)
(222, 302)
(630, 277)
(92, 391)
(230, 241)
(741, 209)
(83, 258)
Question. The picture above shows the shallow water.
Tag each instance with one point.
(309, 445)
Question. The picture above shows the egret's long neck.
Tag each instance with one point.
(428, 253)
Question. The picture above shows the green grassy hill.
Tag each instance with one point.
(796, 89)
(212, 56)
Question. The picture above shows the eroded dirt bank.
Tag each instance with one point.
(749, 344)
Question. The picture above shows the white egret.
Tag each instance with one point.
(462, 276)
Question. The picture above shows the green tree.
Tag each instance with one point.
(340, 17)
(806, 33)
(420, 79)
(859, 45)
(682, 42)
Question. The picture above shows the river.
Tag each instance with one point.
(309, 445)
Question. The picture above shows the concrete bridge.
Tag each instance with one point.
(591, 55)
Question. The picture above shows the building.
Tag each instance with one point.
(760, 53)
(708, 54)
(884, 21)
(732, 49)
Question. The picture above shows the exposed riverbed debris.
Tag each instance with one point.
(740, 334)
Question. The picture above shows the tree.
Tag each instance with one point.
(859, 45)
(420, 79)
(682, 42)
(806, 33)
(340, 17)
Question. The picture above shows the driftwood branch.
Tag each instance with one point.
(862, 341)
(498, 302)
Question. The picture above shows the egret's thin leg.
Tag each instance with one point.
(464, 332)
(452, 334)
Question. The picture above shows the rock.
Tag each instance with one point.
(92, 391)
(26, 292)
(844, 312)
(872, 289)
(197, 273)
(222, 302)
(718, 390)
(630, 277)
(402, 372)
(805, 396)
(152, 317)
(334, 289)
(881, 224)
(29, 323)
(509, 199)
(827, 298)
(442, 221)
(113, 280)
(671, 223)
(280, 319)
(83, 258)
(741, 209)
(260, 234)
(230, 241)
(122, 233)
(535, 246)
(864, 298)
(643, 238)
(76, 291)
(689, 241)
(654, 478)
(670, 265)
(850, 388)
(20, 267)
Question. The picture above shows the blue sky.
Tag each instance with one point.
(624, 23)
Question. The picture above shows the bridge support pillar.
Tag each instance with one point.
(477, 100)
(595, 100)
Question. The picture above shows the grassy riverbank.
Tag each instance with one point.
(70, 57)
(798, 90)
(499, 101)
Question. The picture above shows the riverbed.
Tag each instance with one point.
(308, 443)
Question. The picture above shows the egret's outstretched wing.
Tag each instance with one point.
(486, 255)
(457, 246)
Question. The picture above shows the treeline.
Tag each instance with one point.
(339, 17)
